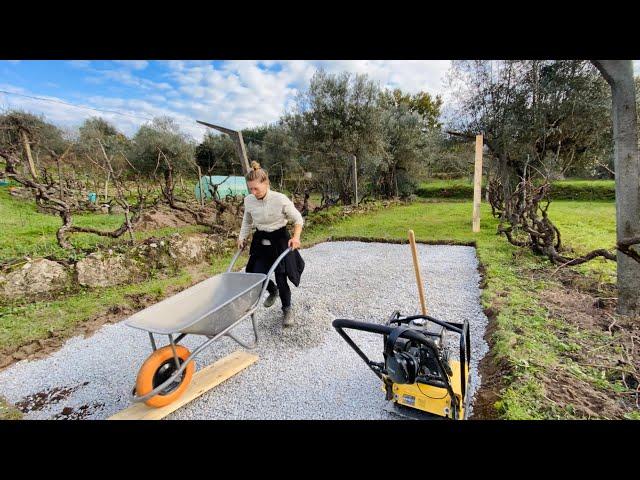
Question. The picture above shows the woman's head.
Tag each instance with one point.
(257, 180)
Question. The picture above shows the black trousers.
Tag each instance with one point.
(263, 263)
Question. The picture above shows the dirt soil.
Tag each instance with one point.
(163, 217)
(40, 400)
(590, 307)
(491, 372)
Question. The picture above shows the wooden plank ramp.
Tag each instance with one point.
(203, 381)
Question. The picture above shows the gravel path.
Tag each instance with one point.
(306, 372)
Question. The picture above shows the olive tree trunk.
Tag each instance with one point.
(619, 75)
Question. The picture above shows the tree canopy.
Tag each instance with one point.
(551, 117)
(157, 140)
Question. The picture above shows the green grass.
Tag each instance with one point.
(575, 189)
(25, 231)
(589, 183)
(8, 411)
(572, 189)
(587, 226)
(454, 188)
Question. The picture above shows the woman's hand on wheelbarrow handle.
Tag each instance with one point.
(241, 243)
(294, 243)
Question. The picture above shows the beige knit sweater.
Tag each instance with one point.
(270, 213)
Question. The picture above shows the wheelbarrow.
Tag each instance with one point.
(211, 308)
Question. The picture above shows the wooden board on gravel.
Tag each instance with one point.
(203, 381)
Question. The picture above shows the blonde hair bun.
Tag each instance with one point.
(257, 173)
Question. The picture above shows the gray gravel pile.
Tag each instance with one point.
(304, 372)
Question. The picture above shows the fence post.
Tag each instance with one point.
(355, 177)
(477, 184)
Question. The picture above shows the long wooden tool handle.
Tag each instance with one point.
(416, 266)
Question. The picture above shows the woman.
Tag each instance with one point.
(269, 211)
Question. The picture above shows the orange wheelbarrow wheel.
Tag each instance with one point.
(157, 369)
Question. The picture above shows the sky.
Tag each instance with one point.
(234, 94)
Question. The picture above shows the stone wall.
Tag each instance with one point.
(104, 268)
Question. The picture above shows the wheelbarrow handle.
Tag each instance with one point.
(234, 259)
(272, 269)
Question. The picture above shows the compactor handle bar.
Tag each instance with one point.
(412, 334)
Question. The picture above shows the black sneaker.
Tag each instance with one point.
(271, 299)
(287, 320)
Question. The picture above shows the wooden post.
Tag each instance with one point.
(27, 150)
(106, 186)
(239, 141)
(242, 152)
(355, 177)
(60, 179)
(416, 266)
(477, 184)
(200, 185)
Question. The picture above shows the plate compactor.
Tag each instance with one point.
(416, 371)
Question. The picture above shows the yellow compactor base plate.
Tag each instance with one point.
(428, 398)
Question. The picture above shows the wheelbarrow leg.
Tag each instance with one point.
(173, 349)
(153, 342)
(253, 344)
(255, 327)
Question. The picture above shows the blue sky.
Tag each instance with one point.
(236, 94)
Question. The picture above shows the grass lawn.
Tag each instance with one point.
(523, 338)
(570, 189)
(25, 231)
(9, 412)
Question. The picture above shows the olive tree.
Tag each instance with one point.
(336, 117)
(537, 117)
(403, 156)
(160, 148)
(619, 75)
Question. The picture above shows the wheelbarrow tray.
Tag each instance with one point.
(206, 308)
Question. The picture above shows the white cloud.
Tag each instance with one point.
(258, 95)
(409, 75)
(69, 116)
(157, 98)
(134, 64)
(82, 64)
(127, 78)
(57, 113)
(12, 88)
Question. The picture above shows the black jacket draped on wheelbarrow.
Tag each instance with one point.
(261, 257)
